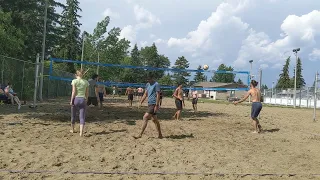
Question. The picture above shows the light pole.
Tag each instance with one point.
(295, 51)
(43, 48)
(272, 89)
(82, 49)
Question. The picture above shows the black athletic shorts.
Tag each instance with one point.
(194, 101)
(101, 96)
(178, 104)
(130, 97)
(93, 101)
(255, 110)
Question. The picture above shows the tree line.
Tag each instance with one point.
(21, 33)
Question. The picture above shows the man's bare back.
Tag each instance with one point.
(255, 95)
(129, 91)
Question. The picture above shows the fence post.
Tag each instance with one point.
(315, 97)
(22, 82)
(2, 71)
(36, 81)
(307, 97)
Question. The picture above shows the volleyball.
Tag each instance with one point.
(205, 67)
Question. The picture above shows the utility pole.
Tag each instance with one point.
(295, 77)
(43, 49)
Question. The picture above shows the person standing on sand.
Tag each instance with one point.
(152, 91)
(102, 92)
(256, 105)
(179, 101)
(195, 100)
(80, 93)
(129, 92)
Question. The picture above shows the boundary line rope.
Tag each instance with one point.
(156, 173)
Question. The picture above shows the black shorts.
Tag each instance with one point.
(178, 104)
(140, 94)
(93, 101)
(194, 101)
(101, 96)
(151, 109)
(255, 110)
(130, 97)
(160, 97)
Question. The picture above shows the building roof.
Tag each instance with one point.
(218, 84)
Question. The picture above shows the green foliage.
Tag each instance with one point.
(239, 81)
(11, 38)
(199, 77)
(181, 77)
(223, 77)
(166, 80)
(300, 80)
(284, 81)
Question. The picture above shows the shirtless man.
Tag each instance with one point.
(129, 92)
(140, 92)
(179, 101)
(256, 105)
(102, 92)
(195, 100)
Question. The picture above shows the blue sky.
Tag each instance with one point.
(215, 31)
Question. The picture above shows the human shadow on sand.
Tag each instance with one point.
(182, 136)
(110, 113)
(109, 132)
(271, 130)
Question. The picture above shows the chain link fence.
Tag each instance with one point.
(305, 97)
(21, 74)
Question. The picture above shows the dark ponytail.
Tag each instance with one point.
(254, 83)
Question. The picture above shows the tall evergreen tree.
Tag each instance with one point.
(150, 57)
(166, 80)
(181, 77)
(284, 81)
(300, 80)
(199, 77)
(71, 44)
(223, 77)
(239, 81)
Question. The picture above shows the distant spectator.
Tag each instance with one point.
(12, 95)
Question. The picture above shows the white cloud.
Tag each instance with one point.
(264, 66)
(260, 46)
(129, 33)
(144, 17)
(158, 41)
(110, 13)
(152, 36)
(315, 55)
(143, 43)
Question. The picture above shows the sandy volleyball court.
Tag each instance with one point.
(217, 140)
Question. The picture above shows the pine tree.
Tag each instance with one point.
(181, 77)
(199, 77)
(71, 31)
(284, 81)
(300, 81)
(239, 81)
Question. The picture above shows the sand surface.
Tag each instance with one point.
(217, 139)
